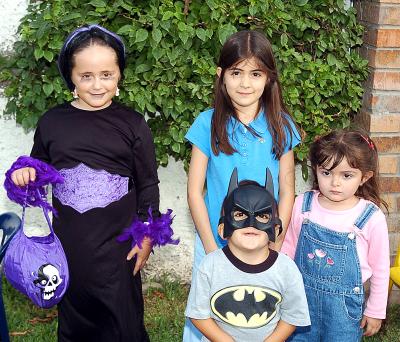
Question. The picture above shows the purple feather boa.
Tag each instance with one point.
(158, 229)
(35, 193)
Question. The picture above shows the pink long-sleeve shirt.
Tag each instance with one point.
(372, 244)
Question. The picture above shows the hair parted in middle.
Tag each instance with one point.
(240, 46)
(360, 152)
(82, 38)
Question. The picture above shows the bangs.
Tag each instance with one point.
(259, 64)
(330, 159)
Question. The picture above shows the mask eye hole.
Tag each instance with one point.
(263, 217)
(239, 215)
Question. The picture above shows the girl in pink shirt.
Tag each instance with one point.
(338, 238)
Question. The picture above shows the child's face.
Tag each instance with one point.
(249, 238)
(95, 75)
(339, 185)
(245, 83)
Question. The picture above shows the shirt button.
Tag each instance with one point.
(351, 236)
(356, 289)
(244, 154)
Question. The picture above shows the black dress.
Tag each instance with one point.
(104, 300)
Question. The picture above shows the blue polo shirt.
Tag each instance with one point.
(252, 158)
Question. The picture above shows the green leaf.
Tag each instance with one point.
(182, 26)
(48, 88)
(125, 29)
(176, 147)
(167, 15)
(225, 31)
(183, 36)
(38, 53)
(301, 2)
(141, 35)
(284, 39)
(331, 59)
(142, 68)
(157, 35)
(201, 34)
(98, 3)
(48, 55)
(71, 16)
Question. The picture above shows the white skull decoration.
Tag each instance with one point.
(48, 280)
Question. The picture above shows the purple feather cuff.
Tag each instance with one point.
(158, 229)
(35, 193)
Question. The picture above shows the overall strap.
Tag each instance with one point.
(307, 200)
(365, 215)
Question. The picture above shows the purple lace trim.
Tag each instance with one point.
(84, 188)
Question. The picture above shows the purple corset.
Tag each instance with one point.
(85, 188)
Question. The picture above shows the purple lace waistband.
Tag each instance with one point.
(85, 188)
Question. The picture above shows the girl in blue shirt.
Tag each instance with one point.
(249, 128)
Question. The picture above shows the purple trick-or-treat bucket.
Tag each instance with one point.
(37, 266)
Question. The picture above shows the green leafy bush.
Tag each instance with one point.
(172, 49)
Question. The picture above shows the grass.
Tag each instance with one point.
(164, 308)
(164, 318)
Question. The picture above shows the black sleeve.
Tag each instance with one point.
(39, 151)
(145, 176)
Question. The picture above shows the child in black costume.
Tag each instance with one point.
(106, 155)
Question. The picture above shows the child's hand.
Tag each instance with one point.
(142, 254)
(370, 325)
(23, 176)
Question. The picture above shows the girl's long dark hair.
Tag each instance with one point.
(239, 47)
(360, 152)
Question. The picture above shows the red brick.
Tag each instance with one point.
(368, 12)
(378, 12)
(378, 58)
(385, 80)
(382, 37)
(390, 184)
(389, 164)
(388, 123)
(393, 223)
(388, 145)
(389, 15)
(390, 200)
(386, 58)
(388, 1)
(383, 102)
(398, 203)
(394, 240)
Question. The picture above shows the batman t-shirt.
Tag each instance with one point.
(247, 301)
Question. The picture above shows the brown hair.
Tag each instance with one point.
(239, 47)
(360, 152)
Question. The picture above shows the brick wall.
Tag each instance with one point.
(381, 106)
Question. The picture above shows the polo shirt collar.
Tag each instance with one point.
(259, 124)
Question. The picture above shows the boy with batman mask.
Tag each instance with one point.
(246, 292)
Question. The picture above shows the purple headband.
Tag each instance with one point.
(89, 28)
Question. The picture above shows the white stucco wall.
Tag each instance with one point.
(175, 260)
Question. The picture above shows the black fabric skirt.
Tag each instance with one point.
(104, 300)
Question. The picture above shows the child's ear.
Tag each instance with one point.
(366, 176)
(219, 71)
(221, 231)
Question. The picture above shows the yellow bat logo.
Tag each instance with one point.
(245, 306)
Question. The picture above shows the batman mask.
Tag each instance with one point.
(249, 204)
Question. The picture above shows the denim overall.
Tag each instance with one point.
(331, 271)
